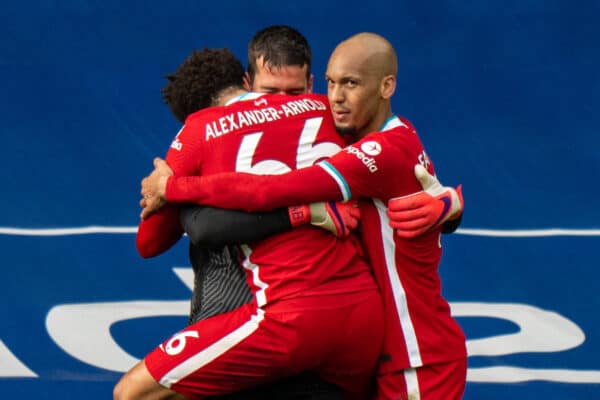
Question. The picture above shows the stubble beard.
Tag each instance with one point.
(348, 133)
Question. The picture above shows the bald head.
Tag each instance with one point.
(372, 50)
(361, 79)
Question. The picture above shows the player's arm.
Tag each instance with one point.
(252, 192)
(215, 227)
(157, 233)
(226, 227)
(161, 231)
(326, 181)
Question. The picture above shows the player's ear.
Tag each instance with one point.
(388, 86)
(311, 79)
(247, 82)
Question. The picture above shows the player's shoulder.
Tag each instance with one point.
(396, 132)
(391, 127)
(398, 123)
(397, 127)
(407, 124)
(201, 116)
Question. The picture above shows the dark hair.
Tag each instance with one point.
(200, 79)
(280, 45)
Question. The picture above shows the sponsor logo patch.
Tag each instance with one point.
(370, 148)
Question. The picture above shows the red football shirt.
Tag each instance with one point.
(266, 134)
(419, 327)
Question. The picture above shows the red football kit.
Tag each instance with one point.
(419, 327)
(316, 305)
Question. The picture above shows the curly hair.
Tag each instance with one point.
(200, 79)
(280, 45)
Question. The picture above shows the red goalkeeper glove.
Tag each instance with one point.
(416, 213)
(339, 218)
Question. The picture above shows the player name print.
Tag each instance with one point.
(241, 119)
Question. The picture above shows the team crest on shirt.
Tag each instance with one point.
(368, 150)
(260, 102)
(371, 148)
(176, 144)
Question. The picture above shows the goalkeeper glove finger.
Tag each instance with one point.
(339, 218)
(415, 214)
(432, 185)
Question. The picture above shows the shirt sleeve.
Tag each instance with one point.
(157, 233)
(379, 166)
(254, 192)
(215, 227)
(162, 230)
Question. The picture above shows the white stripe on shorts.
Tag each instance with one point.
(412, 384)
(213, 351)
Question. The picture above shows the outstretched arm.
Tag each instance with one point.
(215, 227)
(252, 192)
(243, 191)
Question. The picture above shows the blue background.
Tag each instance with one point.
(505, 95)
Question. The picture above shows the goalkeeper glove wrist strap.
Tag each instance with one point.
(299, 215)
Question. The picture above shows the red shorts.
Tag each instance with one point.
(338, 336)
(429, 382)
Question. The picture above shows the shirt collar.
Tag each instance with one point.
(244, 96)
(392, 122)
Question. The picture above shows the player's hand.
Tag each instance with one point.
(153, 188)
(161, 167)
(415, 214)
(339, 218)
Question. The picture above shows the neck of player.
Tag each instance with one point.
(227, 94)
